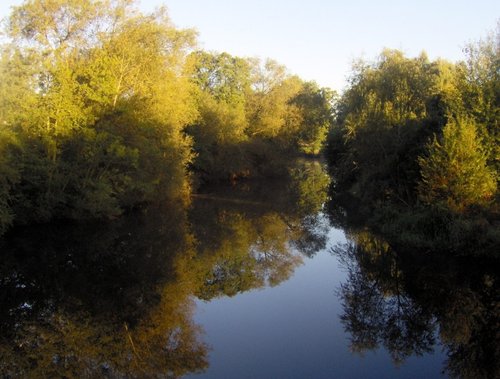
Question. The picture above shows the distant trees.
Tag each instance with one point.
(103, 108)
(315, 105)
(222, 83)
(251, 114)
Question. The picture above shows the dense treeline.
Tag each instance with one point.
(103, 108)
(252, 115)
(416, 143)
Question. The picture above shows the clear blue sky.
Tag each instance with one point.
(318, 39)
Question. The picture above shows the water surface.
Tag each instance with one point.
(247, 281)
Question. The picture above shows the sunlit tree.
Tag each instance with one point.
(454, 170)
(100, 96)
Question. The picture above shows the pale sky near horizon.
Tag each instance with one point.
(318, 39)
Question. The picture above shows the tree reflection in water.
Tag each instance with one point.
(404, 300)
(99, 300)
(116, 299)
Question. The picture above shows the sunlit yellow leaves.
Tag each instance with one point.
(455, 171)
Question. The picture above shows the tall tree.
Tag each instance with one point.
(270, 110)
(480, 85)
(107, 97)
(316, 108)
(454, 171)
(378, 120)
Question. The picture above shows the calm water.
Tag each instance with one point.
(294, 331)
(251, 281)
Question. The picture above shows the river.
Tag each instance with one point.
(254, 280)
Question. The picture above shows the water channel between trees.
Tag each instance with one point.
(255, 280)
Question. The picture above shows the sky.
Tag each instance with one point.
(319, 39)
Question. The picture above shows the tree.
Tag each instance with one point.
(380, 121)
(270, 110)
(479, 76)
(454, 171)
(100, 96)
(223, 84)
(315, 106)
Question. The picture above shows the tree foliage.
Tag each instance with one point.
(252, 115)
(454, 170)
(377, 125)
(103, 108)
(409, 130)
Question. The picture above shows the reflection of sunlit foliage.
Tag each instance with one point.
(312, 186)
(114, 306)
(250, 236)
(271, 250)
(76, 345)
(167, 342)
(252, 253)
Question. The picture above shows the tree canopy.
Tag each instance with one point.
(104, 108)
(408, 128)
(414, 148)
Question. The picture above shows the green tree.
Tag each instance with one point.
(105, 98)
(454, 171)
(380, 121)
(316, 108)
(270, 111)
(223, 84)
(480, 86)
